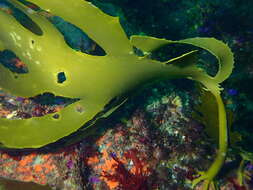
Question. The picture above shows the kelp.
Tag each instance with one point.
(94, 80)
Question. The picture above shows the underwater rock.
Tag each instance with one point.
(156, 145)
(159, 111)
(59, 170)
(155, 142)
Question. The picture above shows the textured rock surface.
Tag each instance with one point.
(156, 145)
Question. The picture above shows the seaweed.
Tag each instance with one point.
(126, 179)
(94, 80)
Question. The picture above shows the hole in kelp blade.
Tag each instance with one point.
(10, 61)
(12, 107)
(61, 77)
(74, 37)
(21, 17)
(205, 59)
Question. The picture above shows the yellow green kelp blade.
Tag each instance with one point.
(220, 50)
(95, 80)
(225, 60)
(39, 131)
(215, 47)
(1, 46)
(45, 56)
(102, 28)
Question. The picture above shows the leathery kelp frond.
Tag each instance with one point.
(94, 80)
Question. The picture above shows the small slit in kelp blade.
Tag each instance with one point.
(10, 61)
(22, 18)
(76, 38)
(61, 77)
(170, 51)
(13, 107)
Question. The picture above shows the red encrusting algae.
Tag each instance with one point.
(125, 178)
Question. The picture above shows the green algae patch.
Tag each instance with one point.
(94, 80)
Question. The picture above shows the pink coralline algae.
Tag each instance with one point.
(57, 169)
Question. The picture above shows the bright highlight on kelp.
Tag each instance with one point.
(95, 80)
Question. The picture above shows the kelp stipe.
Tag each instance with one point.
(94, 80)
